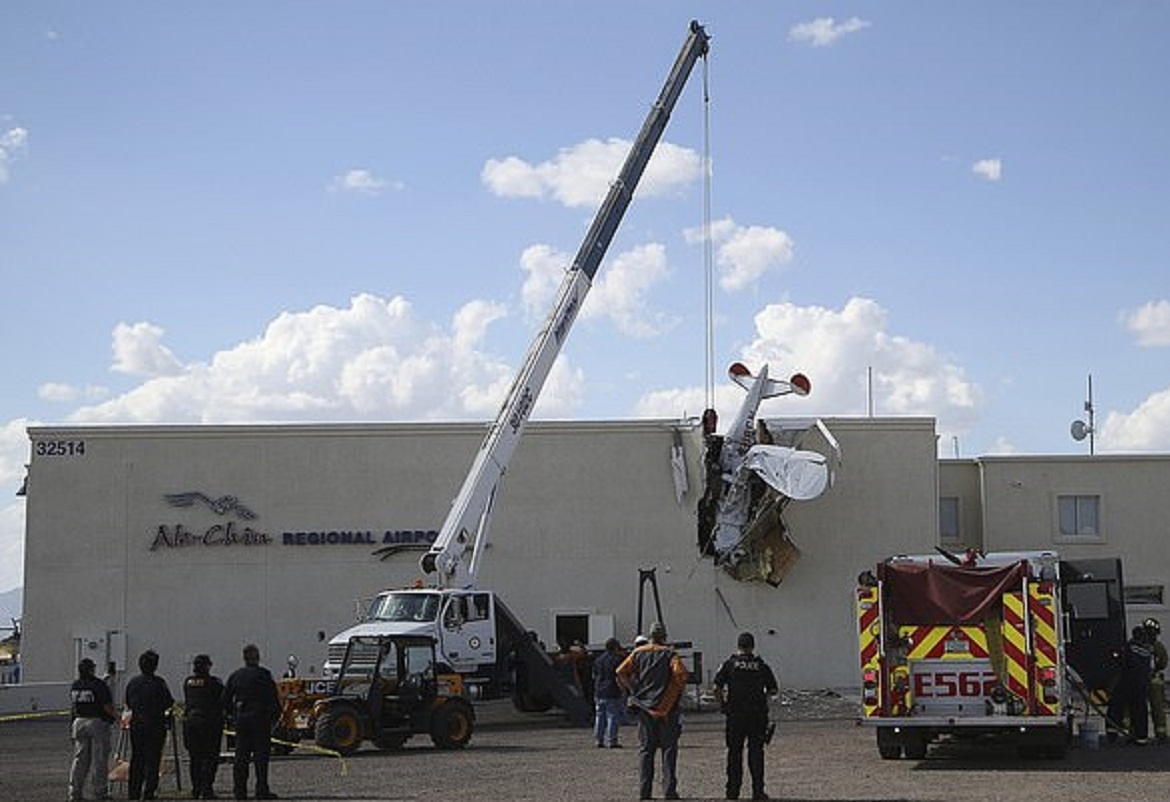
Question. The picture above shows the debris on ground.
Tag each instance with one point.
(790, 703)
(826, 703)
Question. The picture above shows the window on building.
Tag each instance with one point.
(1145, 595)
(570, 627)
(948, 520)
(1078, 516)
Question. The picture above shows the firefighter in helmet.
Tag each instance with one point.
(1157, 690)
(1129, 702)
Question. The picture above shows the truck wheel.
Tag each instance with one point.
(914, 745)
(339, 729)
(888, 743)
(1055, 752)
(451, 724)
(390, 742)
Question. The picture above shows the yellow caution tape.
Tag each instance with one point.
(39, 714)
(178, 711)
(307, 747)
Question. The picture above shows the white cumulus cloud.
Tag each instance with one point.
(14, 455)
(580, 176)
(619, 292)
(375, 359)
(744, 254)
(836, 349)
(362, 182)
(61, 393)
(13, 142)
(824, 31)
(1149, 324)
(989, 169)
(138, 351)
(1146, 428)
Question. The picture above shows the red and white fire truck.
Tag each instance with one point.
(1006, 645)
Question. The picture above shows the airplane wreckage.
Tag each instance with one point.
(751, 474)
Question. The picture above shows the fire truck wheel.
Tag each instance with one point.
(1055, 752)
(451, 724)
(339, 729)
(888, 743)
(914, 745)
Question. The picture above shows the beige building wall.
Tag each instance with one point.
(961, 480)
(1021, 512)
(583, 508)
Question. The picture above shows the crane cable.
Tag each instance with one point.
(708, 253)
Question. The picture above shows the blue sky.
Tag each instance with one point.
(226, 212)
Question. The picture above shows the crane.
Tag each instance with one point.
(477, 636)
(454, 557)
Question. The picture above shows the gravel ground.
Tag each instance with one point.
(819, 753)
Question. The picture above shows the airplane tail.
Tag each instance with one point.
(797, 384)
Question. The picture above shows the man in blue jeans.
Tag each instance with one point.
(654, 676)
(607, 695)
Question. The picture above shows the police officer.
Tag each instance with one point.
(150, 702)
(742, 685)
(203, 725)
(93, 712)
(251, 702)
(1157, 678)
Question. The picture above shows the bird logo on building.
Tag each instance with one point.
(220, 506)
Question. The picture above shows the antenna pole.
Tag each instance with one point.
(1092, 422)
(869, 390)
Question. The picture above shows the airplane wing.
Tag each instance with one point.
(800, 475)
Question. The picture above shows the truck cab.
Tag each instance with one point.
(461, 622)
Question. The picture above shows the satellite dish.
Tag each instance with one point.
(1079, 430)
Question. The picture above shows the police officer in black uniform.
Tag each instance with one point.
(150, 701)
(203, 725)
(742, 685)
(251, 702)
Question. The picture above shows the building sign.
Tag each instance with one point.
(229, 534)
(239, 531)
(392, 537)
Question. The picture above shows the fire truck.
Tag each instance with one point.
(476, 635)
(996, 646)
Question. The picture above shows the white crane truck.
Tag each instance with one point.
(476, 634)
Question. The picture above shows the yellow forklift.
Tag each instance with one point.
(386, 691)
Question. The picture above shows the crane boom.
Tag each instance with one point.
(456, 552)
